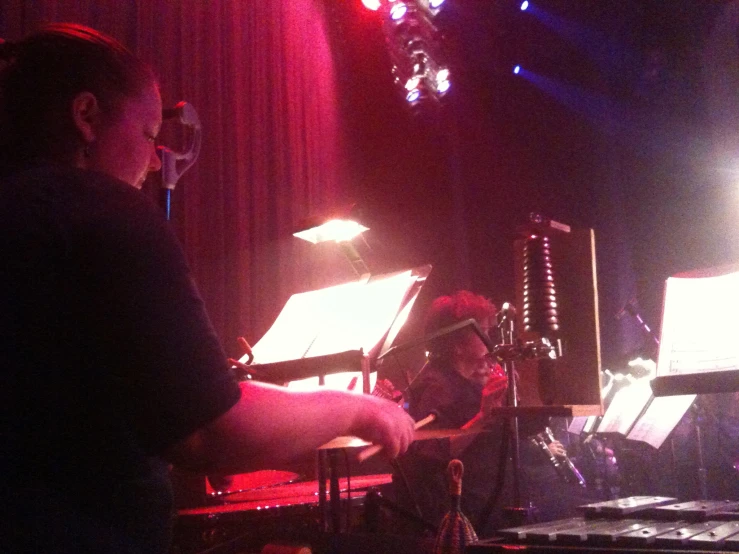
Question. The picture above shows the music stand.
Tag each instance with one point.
(337, 329)
(699, 351)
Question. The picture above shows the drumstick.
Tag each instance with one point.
(374, 449)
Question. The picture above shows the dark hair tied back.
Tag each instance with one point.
(46, 71)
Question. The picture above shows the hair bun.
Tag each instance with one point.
(8, 50)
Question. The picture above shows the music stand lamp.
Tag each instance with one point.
(339, 228)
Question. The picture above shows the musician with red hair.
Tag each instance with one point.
(460, 383)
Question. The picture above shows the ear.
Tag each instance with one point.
(86, 115)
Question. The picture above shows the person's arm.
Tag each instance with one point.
(270, 426)
(492, 397)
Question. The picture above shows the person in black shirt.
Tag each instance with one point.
(111, 369)
(461, 384)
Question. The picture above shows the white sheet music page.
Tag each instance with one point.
(625, 407)
(296, 328)
(699, 325)
(350, 316)
(661, 417)
(359, 318)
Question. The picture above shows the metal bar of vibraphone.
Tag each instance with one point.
(697, 510)
(647, 535)
(715, 538)
(678, 537)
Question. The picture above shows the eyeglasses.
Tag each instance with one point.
(486, 360)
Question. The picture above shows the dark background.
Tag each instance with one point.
(613, 124)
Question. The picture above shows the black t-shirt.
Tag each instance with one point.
(107, 358)
(455, 400)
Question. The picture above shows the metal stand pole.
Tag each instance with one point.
(675, 478)
(518, 513)
(702, 473)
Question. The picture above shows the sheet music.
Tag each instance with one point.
(359, 318)
(698, 325)
(590, 424)
(350, 316)
(661, 417)
(577, 424)
(625, 407)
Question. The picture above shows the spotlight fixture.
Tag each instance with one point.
(517, 70)
(413, 42)
(397, 11)
(413, 96)
(525, 5)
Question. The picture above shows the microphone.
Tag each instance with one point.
(506, 313)
(172, 169)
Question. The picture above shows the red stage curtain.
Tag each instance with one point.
(261, 77)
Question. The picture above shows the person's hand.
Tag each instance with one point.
(384, 423)
(493, 395)
(557, 448)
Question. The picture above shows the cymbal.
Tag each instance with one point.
(421, 434)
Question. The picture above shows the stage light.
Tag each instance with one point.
(443, 86)
(398, 11)
(413, 43)
(525, 5)
(517, 70)
(373, 5)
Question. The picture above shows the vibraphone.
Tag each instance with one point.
(246, 519)
(635, 524)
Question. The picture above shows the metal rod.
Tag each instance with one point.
(507, 334)
(702, 474)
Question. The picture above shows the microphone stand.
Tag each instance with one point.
(510, 349)
(518, 514)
